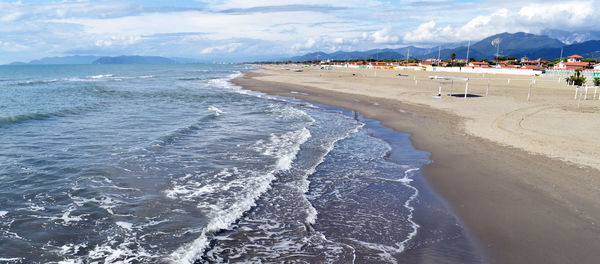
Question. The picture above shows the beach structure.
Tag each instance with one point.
(479, 64)
(451, 79)
(574, 58)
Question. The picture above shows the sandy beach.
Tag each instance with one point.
(523, 175)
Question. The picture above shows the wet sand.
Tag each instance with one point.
(521, 206)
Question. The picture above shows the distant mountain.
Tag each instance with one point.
(588, 49)
(570, 37)
(77, 59)
(381, 54)
(511, 44)
(134, 60)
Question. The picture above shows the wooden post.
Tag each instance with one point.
(586, 92)
(488, 88)
(466, 88)
(529, 93)
(576, 91)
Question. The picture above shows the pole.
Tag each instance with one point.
(468, 49)
(440, 90)
(595, 91)
(451, 86)
(488, 88)
(561, 53)
(576, 91)
(529, 93)
(466, 88)
(586, 92)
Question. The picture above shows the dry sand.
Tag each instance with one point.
(522, 175)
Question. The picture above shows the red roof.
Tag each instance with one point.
(531, 67)
(480, 63)
(576, 64)
(575, 56)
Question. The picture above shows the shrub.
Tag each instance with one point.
(576, 79)
(597, 81)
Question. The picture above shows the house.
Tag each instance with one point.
(531, 62)
(597, 66)
(479, 64)
(425, 63)
(572, 65)
(574, 58)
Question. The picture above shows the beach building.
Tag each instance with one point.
(479, 64)
(426, 63)
(574, 58)
(573, 62)
(597, 66)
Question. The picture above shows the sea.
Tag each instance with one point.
(175, 164)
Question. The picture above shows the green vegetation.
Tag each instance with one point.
(589, 60)
(597, 81)
(577, 78)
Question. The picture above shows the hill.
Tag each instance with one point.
(511, 44)
(588, 49)
(77, 59)
(134, 60)
(381, 54)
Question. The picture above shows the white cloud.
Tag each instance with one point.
(238, 27)
(383, 36)
(531, 18)
(221, 49)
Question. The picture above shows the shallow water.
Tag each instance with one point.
(173, 164)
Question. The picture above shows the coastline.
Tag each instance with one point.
(502, 194)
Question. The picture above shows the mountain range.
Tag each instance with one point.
(506, 44)
(77, 59)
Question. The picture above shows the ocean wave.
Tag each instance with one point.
(217, 111)
(33, 82)
(284, 147)
(42, 116)
(100, 76)
(184, 131)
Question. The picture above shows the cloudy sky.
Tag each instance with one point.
(238, 30)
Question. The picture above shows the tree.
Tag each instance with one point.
(471, 59)
(577, 79)
(589, 60)
(453, 56)
(597, 81)
(511, 58)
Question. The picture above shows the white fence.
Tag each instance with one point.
(506, 71)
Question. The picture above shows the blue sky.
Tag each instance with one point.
(239, 30)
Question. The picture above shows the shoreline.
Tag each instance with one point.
(495, 191)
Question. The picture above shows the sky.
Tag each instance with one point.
(250, 30)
